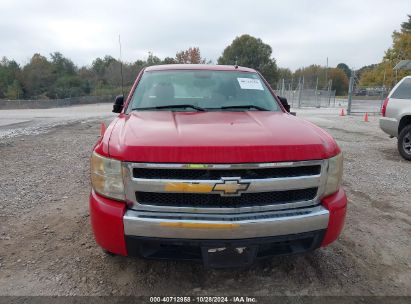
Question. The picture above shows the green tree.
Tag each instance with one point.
(137, 66)
(99, 67)
(169, 60)
(14, 91)
(315, 72)
(311, 74)
(382, 73)
(152, 59)
(345, 68)
(9, 72)
(401, 44)
(62, 65)
(339, 81)
(67, 82)
(284, 73)
(406, 26)
(37, 76)
(374, 77)
(67, 86)
(251, 52)
(362, 70)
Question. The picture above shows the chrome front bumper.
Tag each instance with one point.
(224, 226)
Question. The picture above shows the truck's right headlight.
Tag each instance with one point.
(106, 177)
(334, 174)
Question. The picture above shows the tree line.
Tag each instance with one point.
(316, 76)
(58, 77)
(375, 75)
(383, 73)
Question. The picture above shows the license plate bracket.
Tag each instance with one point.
(228, 256)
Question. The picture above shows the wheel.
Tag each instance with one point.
(404, 142)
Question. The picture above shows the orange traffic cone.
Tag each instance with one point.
(366, 117)
(102, 129)
(342, 112)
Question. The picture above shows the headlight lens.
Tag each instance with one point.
(334, 175)
(106, 177)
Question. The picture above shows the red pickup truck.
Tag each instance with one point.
(205, 163)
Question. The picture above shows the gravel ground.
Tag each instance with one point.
(46, 246)
(36, 121)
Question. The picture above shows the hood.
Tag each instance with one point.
(217, 137)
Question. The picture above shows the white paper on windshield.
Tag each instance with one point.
(250, 84)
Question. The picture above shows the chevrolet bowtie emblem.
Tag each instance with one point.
(230, 186)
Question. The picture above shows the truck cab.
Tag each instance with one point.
(204, 163)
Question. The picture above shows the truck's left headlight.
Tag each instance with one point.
(106, 177)
(334, 174)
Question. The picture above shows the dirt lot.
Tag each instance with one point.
(46, 246)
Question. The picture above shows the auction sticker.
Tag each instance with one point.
(250, 84)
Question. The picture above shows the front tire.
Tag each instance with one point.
(404, 142)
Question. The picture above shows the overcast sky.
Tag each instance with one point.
(300, 32)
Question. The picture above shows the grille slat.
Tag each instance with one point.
(217, 201)
(201, 174)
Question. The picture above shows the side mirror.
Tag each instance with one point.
(118, 104)
(285, 104)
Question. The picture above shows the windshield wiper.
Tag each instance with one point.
(181, 106)
(246, 107)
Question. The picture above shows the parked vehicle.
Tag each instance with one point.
(396, 112)
(206, 163)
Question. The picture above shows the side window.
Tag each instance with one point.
(403, 91)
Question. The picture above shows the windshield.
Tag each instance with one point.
(193, 90)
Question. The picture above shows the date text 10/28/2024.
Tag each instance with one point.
(203, 299)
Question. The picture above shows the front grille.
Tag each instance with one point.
(218, 201)
(201, 174)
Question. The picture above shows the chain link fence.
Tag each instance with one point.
(364, 99)
(360, 99)
(302, 94)
(53, 103)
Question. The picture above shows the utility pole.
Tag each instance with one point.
(350, 92)
(330, 84)
(326, 73)
(121, 66)
(383, 89)
(301, 86)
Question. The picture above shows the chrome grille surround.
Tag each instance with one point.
(133, 185)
